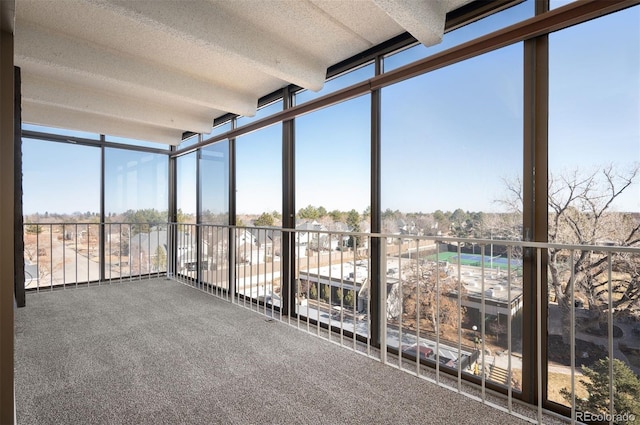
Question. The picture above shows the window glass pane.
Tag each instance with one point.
(214, 187)
(259, 206)
(61, 131)
(219, 129)
(461, 35)
(333, 196)
(333, 165)
(135, 142)
(189, 141)
(136, 186)
(553, 4)
(337, 83)
(186, 184)
(594, 198)
(451, 150)
(61, 184)
(136, 193)
(262, 112)
(259, 177)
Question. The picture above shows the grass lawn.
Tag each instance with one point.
(557, 381)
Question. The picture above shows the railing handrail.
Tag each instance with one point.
(411, 237)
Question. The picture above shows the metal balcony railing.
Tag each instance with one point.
(58, 255)
(454, 311)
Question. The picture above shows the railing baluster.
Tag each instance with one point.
(223, 240)
(539, 330)
(572, 337)
(342, 293)
(64, 263)
(298, 282)
(38, 257)
(88, 254)
(244, 270)
(354, 296)
(51, 257)
(281, 263)
(76, 255)
(330, 285)
(211, 254)
(130, 253)
(459, 277)
(418, 302)
(308, 282)
(120, 251)
(382, 288)
(438, 324)
(382, 306)
(401, 298)
(149, 252)
(319, 288)
(262, 257)
(483, 324)
(509, 334)
(368, 292)
(612, 410)
(218, 255)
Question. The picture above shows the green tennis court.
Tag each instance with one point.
(476, 260)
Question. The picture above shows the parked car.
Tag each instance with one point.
(425, 352)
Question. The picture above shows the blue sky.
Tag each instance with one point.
(62, 178)
(449, 136)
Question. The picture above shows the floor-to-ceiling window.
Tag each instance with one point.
(186, 214)
(186, 183)
(214, 213)
(214, 183)
(61, 206)
(333, 194)
(136, 194)
(594, 199)
(451, 164)
(258, 182)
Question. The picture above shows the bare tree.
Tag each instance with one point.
(580, 213)
(427, 296)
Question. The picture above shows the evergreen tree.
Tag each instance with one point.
(348, 299)
(34, 229)
(160, 259)
(264, 220)
(353, 221)
(337, 216)
(626, 389)
(326, 292)
(310, 213)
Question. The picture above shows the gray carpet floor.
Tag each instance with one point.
(159, 352)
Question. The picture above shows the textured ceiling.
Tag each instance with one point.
(152, 70)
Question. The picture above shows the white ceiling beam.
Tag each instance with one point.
(213, 29)
(422, 19)
(57, 116)
(116, 71)
(50, 92)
